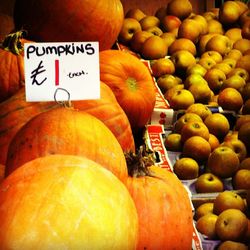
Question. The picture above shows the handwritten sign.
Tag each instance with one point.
(62, 71)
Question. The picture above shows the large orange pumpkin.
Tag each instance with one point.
(163, 207)
(70, 132)
(66, 202)
(70, 20)
(15, 112)
(131, 83)
(11, 65)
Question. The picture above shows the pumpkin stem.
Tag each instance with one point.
(138, 163)
(131, 83)
(12, 42)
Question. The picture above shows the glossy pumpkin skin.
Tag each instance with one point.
(131, 83)
(67, 131)
(70, 20)
(66, 202)
(14, 113)
(164, 210)
(108, 110)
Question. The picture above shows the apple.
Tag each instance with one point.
(207, 62)
(202, 22)
(234, 81)
(196, 69)
(184, 119)
(167, 81)
(162, 66)
(181, 99)
(203, 209)
(194, 128)
(182, 44)
(219, 43)
(240, 72)
(215, 78)
(241, 180)
(168, 38)
(229, 12)
(180, 8)
(223, 162)
(237, 146)
(149, 21)
(169, 23)
(232, 245)
(215, 27)
(196, 147)
(138, 39)
(172, 142)
(186, 168)
(129, 28)
(182, 59)
(206, 225)
(190, 29)
(231, 224)
(135, 13)
(228, 199)
(215, 55)
(155, 31)
(194, 79)
(201, 92)
(208, 183)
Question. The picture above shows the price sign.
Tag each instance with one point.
(72, 68)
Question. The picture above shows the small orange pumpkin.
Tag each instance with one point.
(132, 84)
(163, 206)
(66, 131)
(66, 202)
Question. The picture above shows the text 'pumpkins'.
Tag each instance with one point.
(131, 83)
(70, 132)
(70, 20)
(66, 202)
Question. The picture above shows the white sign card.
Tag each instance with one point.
(62, 71)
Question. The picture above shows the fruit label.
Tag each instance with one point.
(62, 71)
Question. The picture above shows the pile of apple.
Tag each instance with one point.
(201, 62)
(225, 218)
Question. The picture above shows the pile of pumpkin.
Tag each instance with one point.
(74, 176)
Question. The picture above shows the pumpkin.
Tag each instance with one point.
(15, 112)
(66, 131)
(11, 65)
(64, 20)
(6, 25)
(163, 206)
(108, 110)
(66, 202)
(132, 84)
